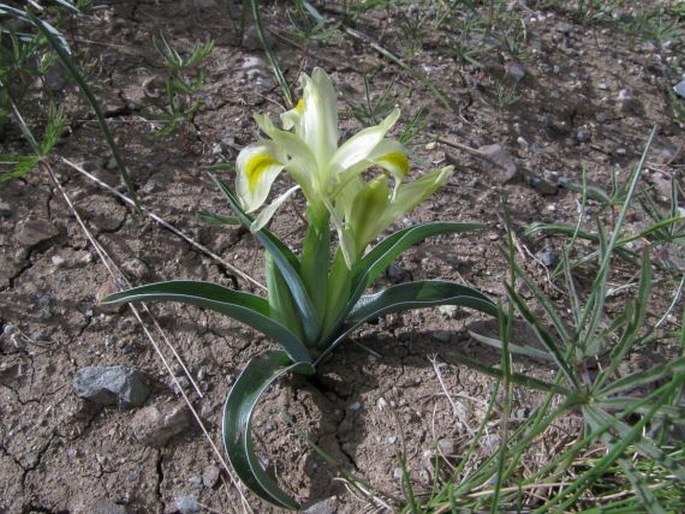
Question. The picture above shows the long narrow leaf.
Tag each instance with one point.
(257, 376)
(244, 307)
(639, 378)
(384, 253)
(544, 337)
(412, 295)
(287, 264)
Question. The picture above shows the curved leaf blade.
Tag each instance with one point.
(412, 295)
(286, 262)
(257, 376)
(369, 267)
(247, 308)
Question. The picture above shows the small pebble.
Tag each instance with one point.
(187, 504)
(679, 88)
(548, 258)
(325, 506)
(446, 446)
(210, 476)
(582, 136)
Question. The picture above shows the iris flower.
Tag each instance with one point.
(332, 177)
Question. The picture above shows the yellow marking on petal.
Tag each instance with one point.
(396, 160)
(255, 168)
(299, 108)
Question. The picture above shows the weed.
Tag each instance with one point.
(178, 101)
(373, 108)
(639, 470)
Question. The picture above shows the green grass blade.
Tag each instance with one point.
(640, 378)
(632, 321)
(258, 375)
(244, 307)
(517, 378)
(280, 79)
(420, 76)
(19, 165)
(543, 300)
(544, 337)
(60, 47)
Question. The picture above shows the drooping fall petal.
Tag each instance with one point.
(257, 168)
(356, 150)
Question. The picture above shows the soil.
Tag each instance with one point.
(586, 102)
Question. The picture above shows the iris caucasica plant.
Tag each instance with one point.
(355, 190)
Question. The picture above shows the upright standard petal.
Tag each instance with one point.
(319, 119)
(257, 168)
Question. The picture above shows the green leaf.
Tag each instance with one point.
(257, 376)
(368, 268)
(281, 304)
(217, 219)
(527, 351)
(244, 307)
(544, 337)
(412, 295)
(316, 257)
(20, 166)
(287, 263)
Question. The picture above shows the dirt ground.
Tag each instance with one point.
(580, 97)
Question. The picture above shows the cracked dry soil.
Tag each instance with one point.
(382, 394)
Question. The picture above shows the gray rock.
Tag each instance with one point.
(210, 476)
(33, 231)
(515, 70)
(679, 88)
(490, 443)
(156, 424)
(628, 104)
(548, 258)
(110, 385)
(325, 506)
(187, 504)
(582, 136)
(397, 274)
(503, 165)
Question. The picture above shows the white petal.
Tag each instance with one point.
(292, 118)
(320, 116)
(257, 168)
(267, 213)
(296, 156)
(392, 157)
(357, 149)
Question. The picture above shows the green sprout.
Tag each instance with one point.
(316, 299)
(179, 101)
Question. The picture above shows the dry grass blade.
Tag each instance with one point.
(168, 226)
